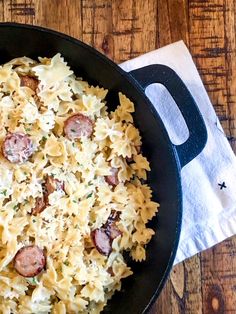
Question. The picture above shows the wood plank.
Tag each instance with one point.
(122, 20)
(182, 293)
(218, 268)
(230, 56)
(63, 16)
(143, 28)
(97, 25)
(172, 21)
(1, 11)
(207, 44)
(19, 11)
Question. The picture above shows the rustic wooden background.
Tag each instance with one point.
(123, 29)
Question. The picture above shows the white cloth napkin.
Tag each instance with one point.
(208, 181)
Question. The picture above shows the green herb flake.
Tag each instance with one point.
(4, 192)
(66, 263)
(74, 201)
(33, 220)
(28, 129)
(90, 195)
(73, 144)
(73, 130)
(33, 281)
(15, 207)
(44, 138)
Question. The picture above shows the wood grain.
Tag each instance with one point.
(123, 29)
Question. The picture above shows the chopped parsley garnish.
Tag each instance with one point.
(66, 263)
(44, 138)
(90, 195)
(33, 220)
(73, 130)
(4, 192)
(15, 207)
(74, 201)
(33, 281)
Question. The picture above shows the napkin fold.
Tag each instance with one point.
(208, 181)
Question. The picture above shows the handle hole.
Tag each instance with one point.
(169, 113)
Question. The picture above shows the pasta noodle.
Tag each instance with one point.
(78, 278)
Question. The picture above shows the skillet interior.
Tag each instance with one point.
(140, 290)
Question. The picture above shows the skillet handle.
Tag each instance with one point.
(164, 75)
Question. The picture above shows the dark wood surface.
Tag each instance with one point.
(123, 29)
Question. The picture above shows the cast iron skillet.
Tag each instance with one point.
(140, 290)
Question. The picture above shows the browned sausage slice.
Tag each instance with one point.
(29, 261)
(112, 179)
(17, 147)
(110, 271)
(77, 126)
(29, 81)
(113, 231)
(52, 185)
(110, 226)
(101, 241)
(40, 205)
(114, 216)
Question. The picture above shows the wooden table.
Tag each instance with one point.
(123, 29)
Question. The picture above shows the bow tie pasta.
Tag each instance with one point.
(72, 191)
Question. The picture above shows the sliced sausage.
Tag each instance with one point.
(53, 185)
(77, 126)
(112, 179)
(112, 231)
(17, 147)
(114, 216)
(104, 236)
(110, 227)
(49, 187)
(29, 261)
(101, 241)
(29, 81)
(40, 205)
(110, 271)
